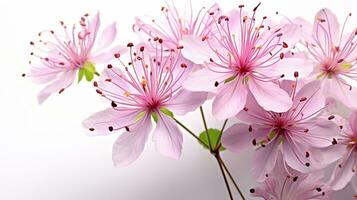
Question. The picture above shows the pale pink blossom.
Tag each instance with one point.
(176, 24)
(294, 185)
(148, 87)
(334, 53)
(347, 164)
(294, 133)
(245, 56)
(62, 54)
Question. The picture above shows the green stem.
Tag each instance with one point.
(220, 135)
(224, 177)
(230, 176)
(190, 132)
(205, 124)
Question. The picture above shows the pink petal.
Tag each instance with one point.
(230, 100)
(107, 37)
(186, 101)
(108, 55)
(196, 50)
(338, 88)
(354, 183)
(253, 113)
(289, 65)
(295, 155)
(112, 117)
(353, 121)
(204, 80)
(167, 137)
(343, 175)
(265, 159)
(63, 81)
(270, 96)
(330, 25)
(129, 146)
(94, 24)
(43, 74)
(237, 138)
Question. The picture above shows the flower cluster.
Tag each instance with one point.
(282, 81)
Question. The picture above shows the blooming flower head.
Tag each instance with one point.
(62, 55)
(147, 87)
(347, 165)
(294, 133)
(281, 185)
(245, 56)
(334, 53)
(176, 25)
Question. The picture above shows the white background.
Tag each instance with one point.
(44, 153)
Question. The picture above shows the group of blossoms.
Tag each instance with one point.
(285, 81)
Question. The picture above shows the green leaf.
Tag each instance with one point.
(213, 136)
(80, 75)
(154, 116)
(167, 112)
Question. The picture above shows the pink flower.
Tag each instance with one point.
(281, 185)
(176, 25)
(245, 56)
(347, 165)
(149, 87)
(294, 133)
(334, 54)
(78, 49)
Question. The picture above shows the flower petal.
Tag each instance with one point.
(344, 171)
(108, 55)
(196, 50)
(107, 37)
(186, 101)
(270, 96)
(237, 138)
(265, 159)
(63, 81)
(295, 155)
(230, 100)
(326, 28)
(116, 118)
(167, 137)
(129, 146)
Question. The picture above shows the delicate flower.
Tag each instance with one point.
(245, 56)
(176, 25)
(347, 164)
(335, 55)
(149, 87)
(77, 50)
(292, 186)
(294, 133)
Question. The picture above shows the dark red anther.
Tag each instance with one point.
(32, 43)
(180, 47)
(211, 13)
(114, 104)
(295, 178)
(296, 74)
(285, 45)
(109, 66)
(254, 142)
(303, 99)
(281, 55)
(307, 154)
(334, 141)
(110, 128)
(250, 129)
(142, 48)
(216, 84)
(252, 190)
(331, 117)
(241, 6)
(160, 41)
(99, 91)
(117, 55)
(279, 35)
(245, 109)
(61, 90)
(130, 44)
(183, 65)
(108, 80)
(127, 128)
(256, 7)
(95, 84)
(23, 75)
(91, 129)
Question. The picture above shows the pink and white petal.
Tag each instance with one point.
(325, 20)
(291, 34)
(204, 80)
(167, 137)
(309, 100)
(230, 100)
(253, 113)
(186, 101)
(306, 27)
(338, 88)
(93, 26)
(295, 155)
(237, 138)
(352, 120)
(196, 50)
(270, 96)
(107, 37)
(118, 83)
(43, 74)
(354, 183)
(63, 81)
(99, 123)
(265, 159)
(328, 155)
(344, 171)
(289, 65)
(108, 55)
(129, 146)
